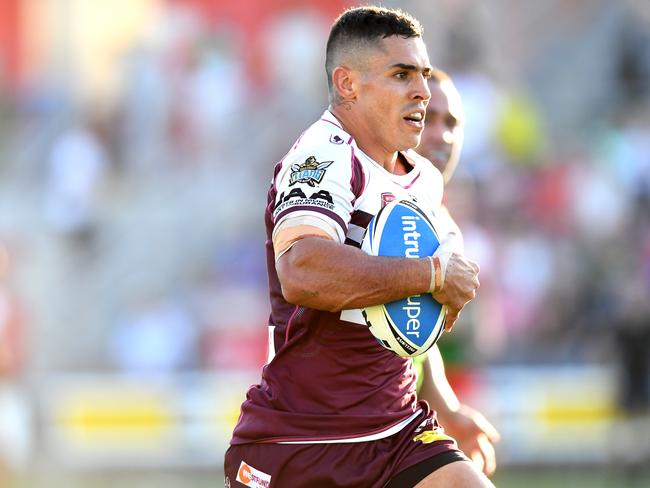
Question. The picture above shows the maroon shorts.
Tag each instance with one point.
(355, 465)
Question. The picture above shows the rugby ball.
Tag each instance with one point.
(410, 326)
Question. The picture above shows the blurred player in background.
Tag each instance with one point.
(441, 143)
(333, 408)
(442, 138)
(14, 424)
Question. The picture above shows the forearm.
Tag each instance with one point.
(325, 275)
(473, 432)
(436, 389)
(452, 230)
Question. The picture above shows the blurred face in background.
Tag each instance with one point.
(442, 137)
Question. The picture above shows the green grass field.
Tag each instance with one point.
(561, 477)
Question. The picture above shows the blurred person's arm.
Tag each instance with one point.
(473, 432)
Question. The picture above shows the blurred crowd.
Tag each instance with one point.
(131, 220)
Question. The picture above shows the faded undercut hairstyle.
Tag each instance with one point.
(365, 26)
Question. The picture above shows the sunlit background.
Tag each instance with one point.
(137, 141)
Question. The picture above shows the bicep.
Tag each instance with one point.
(306, 269)
(294, 229)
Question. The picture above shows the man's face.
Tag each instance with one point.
(443, 132)
(392, 93)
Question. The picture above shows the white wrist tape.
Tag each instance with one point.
(438, 270)
(439, 262)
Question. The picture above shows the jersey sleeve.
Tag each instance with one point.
(314, 188)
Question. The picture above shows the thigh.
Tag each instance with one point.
(462, 474)
(415, 474)
(420, 450)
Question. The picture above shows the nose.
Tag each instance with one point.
(421, 89)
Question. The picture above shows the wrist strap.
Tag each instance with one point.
(437, 276)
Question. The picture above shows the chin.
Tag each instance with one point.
(415, 144)
(410, 142)
(440, 167)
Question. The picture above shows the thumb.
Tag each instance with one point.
(450, 318)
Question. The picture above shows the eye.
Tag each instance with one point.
(401, 75)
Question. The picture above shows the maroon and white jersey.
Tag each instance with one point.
(327, 379)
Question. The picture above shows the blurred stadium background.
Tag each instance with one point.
(137, 140)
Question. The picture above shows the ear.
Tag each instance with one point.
(343, 81)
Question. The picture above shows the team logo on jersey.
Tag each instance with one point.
(310, 172)
(334, 139)
(388, 197)
(252, 477)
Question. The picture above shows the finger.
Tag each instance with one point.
(488, 429)
(477, 458)
(450, 319)
(489, 454)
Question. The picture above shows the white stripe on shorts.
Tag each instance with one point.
(372, 437)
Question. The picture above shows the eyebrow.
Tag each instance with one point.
(426, 70)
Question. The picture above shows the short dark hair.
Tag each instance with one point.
(361, 25)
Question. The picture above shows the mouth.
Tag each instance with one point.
(415, 119)
(439, 156)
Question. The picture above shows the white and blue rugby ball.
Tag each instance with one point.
(410, 326)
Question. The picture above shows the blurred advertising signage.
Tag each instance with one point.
(546, 415)
(552, 414)
(112, 421)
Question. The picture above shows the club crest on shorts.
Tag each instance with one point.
(430, 436)
(252, 477)
(310, 172)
